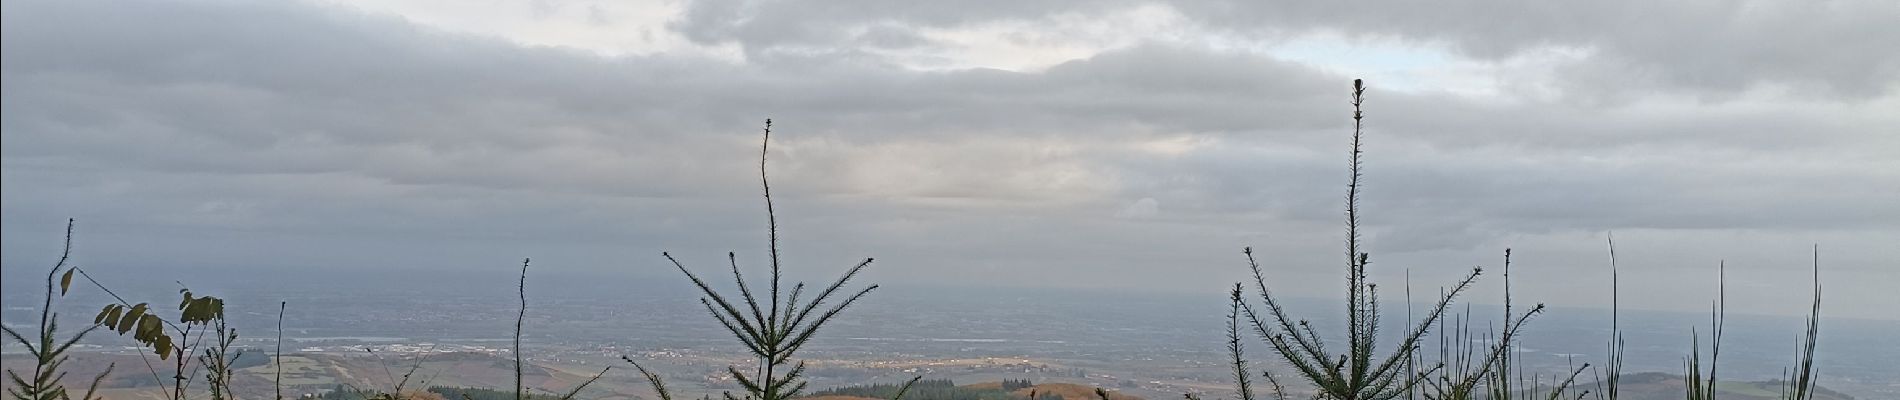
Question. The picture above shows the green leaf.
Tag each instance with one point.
(125, 324)
(66, 280)
(150, 328)
(203, 310)
(157, 327)
(113, 312)
(192, 311)
(131, 317)
(163, 346)
(101, 318)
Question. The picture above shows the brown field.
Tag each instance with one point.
(1069, 391)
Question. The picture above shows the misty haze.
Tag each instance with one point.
(954, 200)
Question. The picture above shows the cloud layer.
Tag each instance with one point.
(1038, 141)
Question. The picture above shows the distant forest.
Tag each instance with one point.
(434, 393)
(937, 389)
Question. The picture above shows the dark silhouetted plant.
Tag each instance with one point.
(521, 291)
(1612, 374)
(1501, 382)
(217, 359)
(277, 359)
(521, 317)
(774, 329)
(47, 350)
(902, 390)
(399, 387)
(1358, 372)
(203, 315)
(1698, 385)
(1799, 383)
(1243, 380)
(1462, 372)
(659, 385)
(198, 316)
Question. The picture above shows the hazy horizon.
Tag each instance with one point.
(1172, 335)
(553, 280)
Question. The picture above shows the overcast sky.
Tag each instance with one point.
(1096, 144)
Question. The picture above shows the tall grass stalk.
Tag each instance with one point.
(1612, 373)
(1700, 386)
(1799, 383)
(1462, 372)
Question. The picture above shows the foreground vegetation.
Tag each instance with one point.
(774, 322)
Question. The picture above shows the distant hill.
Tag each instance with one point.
(1639, 386)
(1662, 386)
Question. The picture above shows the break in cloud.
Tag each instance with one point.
(1117, 144)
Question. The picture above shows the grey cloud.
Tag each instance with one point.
(1714, 49)
(1722, 46)
(764, 25)
(289, 127)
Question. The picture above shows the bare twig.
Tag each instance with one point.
(278, 360)
(659, 386)
(901, 390)
(577, 388)
(521, 289)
